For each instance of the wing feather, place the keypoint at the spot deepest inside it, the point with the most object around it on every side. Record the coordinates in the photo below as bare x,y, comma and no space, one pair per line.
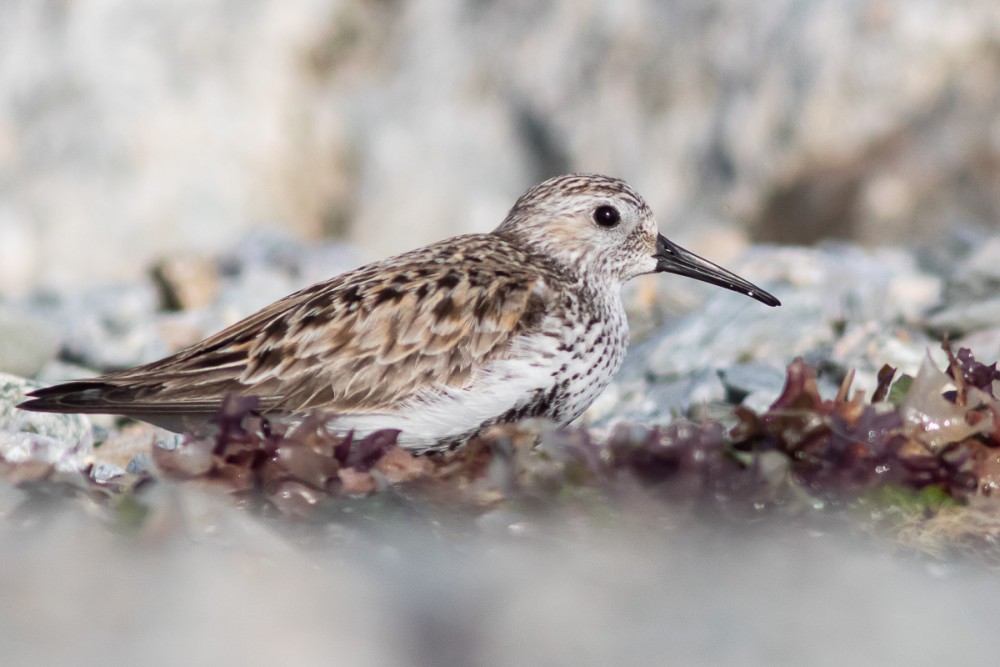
365,341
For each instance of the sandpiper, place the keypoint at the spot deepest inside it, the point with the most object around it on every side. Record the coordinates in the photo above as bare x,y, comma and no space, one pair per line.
439,342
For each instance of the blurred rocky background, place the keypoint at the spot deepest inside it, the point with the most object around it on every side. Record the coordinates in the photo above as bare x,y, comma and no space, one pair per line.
167,168
130,129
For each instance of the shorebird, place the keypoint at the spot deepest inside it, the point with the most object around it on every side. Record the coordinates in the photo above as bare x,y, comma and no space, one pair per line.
439,342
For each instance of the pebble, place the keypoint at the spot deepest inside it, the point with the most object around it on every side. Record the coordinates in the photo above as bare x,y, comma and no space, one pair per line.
62,439
753,384
103,472
966,316
139,464
970,301
186,282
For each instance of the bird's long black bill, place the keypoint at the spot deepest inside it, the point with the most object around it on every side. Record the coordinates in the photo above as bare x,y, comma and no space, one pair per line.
671,258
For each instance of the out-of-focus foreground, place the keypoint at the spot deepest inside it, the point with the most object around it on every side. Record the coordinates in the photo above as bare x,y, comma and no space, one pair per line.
211,585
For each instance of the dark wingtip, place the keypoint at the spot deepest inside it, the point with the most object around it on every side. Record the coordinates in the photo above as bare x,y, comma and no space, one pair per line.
67,397
34,405
40,405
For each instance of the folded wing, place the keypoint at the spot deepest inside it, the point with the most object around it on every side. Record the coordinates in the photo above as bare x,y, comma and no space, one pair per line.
362,342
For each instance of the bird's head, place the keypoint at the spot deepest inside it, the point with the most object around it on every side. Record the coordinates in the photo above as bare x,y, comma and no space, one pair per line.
599,227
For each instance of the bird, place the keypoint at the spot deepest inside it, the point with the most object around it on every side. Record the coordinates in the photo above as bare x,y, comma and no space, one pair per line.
439,343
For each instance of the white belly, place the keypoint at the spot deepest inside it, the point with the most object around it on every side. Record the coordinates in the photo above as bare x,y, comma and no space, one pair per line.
544,376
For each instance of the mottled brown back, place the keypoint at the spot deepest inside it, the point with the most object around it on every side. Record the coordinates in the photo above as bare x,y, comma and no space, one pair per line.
364,341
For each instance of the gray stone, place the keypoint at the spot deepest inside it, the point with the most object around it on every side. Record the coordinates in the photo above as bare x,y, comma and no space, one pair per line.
61,439
972,280
103,472
976,277
751,377
985,345
141,463
966,316
646,401
27,342
755,385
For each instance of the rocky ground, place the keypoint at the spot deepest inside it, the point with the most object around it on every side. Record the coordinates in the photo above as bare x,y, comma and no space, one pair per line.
722,503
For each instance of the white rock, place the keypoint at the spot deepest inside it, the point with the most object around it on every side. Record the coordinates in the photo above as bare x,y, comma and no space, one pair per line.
65,440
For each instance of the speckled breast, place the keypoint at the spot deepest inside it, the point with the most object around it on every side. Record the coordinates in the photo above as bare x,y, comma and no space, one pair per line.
592,345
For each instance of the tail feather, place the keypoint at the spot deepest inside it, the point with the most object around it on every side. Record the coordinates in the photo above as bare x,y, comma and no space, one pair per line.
96,396
81,396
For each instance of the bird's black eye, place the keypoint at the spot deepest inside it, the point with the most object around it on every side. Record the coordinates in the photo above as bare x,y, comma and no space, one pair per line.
607,216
